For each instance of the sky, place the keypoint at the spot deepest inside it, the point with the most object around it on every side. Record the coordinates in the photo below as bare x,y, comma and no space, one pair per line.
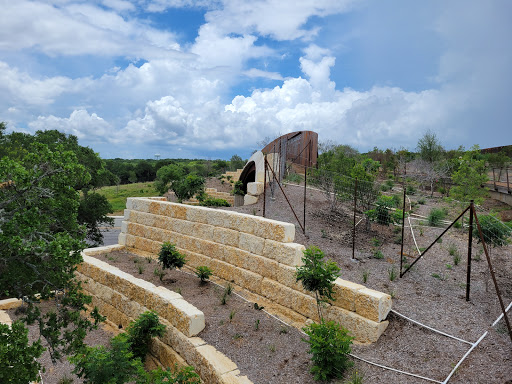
213,78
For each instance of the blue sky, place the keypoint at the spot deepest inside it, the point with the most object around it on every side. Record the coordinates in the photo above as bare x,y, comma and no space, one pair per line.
208,79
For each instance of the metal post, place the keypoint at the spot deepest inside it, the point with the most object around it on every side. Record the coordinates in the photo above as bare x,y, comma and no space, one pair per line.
354,225
493,277
264,184
494,180
403,225
470,243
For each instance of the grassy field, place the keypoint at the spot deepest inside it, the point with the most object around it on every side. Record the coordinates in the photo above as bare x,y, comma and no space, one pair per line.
117,195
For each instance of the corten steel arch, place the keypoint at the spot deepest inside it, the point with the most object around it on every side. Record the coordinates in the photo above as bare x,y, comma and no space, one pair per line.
292,148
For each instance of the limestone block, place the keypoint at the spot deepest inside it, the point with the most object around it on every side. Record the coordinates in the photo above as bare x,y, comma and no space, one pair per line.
373,305
5,318
218,218
277,292
285,275
226,236
255,189
132,308
124,226
220,362
196,260
121,239
223,270
207,248
166,355
203,231
304,304
127,213
285,253
249,200
362,329
247,279
177,340
345,293
251,243
102,250
274,230
242,223
197,214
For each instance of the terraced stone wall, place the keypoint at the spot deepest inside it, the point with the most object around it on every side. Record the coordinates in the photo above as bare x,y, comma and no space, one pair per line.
122,298
255,253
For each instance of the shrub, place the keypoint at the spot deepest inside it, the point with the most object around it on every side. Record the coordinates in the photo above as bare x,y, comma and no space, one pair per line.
185,375
317,275
435,217
378,255
140,332
204,273
495,232
410,190
213,202
294,178
169,257
16,353
329,343
238,188
113,365
421,201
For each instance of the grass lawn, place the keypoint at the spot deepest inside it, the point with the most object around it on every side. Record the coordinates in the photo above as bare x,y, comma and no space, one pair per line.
117,195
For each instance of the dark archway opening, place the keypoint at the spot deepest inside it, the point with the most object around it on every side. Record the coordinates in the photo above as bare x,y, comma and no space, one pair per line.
248,175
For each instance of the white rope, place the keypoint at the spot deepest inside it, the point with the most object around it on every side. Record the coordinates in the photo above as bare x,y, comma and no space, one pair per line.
432,329
501,316
464,357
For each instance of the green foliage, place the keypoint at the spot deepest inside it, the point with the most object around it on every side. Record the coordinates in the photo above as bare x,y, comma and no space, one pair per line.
41,240
392,274
213,202
469,178
140,332
92,212
429,147
17,357
114,365
169,257
495,232
378,254
184,375
117,195
317,275
355,378
204,273
421,201
236,162
410,190
382,213
294,178
435,217
238,188
329,345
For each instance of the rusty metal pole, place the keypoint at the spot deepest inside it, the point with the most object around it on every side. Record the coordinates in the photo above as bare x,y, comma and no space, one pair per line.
403,225
264,184
470,243
493,277
354,225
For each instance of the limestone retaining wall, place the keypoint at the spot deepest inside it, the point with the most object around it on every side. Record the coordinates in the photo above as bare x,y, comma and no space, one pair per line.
255,253
122,298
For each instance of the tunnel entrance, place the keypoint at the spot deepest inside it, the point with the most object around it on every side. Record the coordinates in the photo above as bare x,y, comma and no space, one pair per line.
248,175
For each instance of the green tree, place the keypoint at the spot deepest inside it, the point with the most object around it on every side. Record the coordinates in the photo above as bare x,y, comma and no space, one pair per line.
236,162
429,147
470,178
317,275
41,241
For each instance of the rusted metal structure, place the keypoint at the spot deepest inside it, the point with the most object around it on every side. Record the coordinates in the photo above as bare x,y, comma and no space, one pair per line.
299,147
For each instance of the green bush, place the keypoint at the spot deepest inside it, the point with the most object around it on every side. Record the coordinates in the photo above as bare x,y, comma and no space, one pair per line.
140,332
435,217
185,375
17,358
203,273
238,188
170,257
213,202
495,232
410,190
317,275
329,343
113,365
